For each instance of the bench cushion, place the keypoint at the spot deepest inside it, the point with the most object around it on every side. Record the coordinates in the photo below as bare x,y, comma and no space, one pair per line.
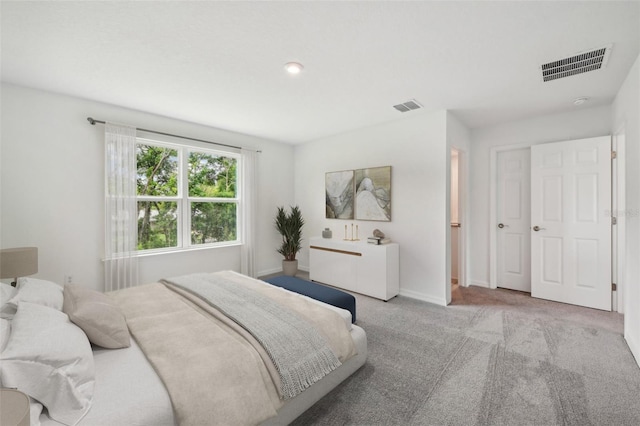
319,292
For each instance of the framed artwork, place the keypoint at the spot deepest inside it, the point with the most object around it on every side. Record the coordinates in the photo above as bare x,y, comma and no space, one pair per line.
339,194
373,194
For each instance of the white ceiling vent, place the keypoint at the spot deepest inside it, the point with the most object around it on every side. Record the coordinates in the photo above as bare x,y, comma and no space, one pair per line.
408,106
583,62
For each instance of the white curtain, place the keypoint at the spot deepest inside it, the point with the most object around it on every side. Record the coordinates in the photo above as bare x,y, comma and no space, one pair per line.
248,181
121,210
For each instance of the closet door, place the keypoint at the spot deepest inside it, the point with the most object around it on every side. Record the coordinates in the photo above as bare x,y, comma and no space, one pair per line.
513,234
571,232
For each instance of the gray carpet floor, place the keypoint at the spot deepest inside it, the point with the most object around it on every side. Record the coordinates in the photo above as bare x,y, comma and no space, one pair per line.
493,357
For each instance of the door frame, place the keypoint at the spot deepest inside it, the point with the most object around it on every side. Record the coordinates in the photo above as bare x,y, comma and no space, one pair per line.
618,210
493,208
618,207
463,217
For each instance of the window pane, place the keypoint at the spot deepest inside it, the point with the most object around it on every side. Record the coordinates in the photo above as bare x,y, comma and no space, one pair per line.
157,170
212,176
157,224
213,222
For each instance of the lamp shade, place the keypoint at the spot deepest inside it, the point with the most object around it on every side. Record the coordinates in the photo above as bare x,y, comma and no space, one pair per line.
18,262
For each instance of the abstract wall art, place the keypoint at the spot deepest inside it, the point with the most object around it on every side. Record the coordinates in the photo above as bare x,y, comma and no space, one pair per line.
339,194
373,194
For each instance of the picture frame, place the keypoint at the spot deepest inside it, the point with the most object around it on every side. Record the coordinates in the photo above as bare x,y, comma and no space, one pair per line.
339,188
373,194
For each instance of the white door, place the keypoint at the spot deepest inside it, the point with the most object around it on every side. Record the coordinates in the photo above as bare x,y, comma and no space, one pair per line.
571,231
513,234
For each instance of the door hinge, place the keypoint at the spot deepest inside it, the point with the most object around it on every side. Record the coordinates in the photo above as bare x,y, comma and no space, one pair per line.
614,155
614,220
614,287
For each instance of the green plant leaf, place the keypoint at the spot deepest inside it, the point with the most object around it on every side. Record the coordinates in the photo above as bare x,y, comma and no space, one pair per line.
289,225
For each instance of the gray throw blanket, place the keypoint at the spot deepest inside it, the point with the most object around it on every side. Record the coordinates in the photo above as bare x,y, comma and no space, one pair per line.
300,354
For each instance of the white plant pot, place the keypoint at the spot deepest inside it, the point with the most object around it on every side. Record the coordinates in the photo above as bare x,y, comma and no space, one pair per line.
290,267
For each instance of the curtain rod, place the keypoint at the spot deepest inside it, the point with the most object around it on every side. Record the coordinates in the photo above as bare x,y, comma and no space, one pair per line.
93,122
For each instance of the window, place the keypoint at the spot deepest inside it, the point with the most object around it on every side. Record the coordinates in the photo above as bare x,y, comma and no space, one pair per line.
187,196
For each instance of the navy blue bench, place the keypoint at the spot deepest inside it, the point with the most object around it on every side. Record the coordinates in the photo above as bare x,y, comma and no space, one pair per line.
319,292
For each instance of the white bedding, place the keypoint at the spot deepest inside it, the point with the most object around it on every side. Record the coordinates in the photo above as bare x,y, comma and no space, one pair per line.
128,391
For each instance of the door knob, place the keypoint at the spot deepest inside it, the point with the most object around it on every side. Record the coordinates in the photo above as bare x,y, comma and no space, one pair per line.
537,228
502,225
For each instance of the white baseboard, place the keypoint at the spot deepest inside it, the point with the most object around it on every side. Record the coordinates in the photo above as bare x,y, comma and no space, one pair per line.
278,270
424,297
480,284
634,346
268,272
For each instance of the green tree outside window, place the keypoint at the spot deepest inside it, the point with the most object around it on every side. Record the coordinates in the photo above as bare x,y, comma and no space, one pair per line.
210,205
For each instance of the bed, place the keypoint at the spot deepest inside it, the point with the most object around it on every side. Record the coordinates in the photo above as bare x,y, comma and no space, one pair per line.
144,385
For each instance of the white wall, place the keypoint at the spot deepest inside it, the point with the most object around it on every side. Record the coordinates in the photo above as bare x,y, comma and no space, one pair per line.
578,124
417,150
626,112
52,180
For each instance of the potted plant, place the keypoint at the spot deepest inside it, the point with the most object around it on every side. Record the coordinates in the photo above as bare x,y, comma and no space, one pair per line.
290,227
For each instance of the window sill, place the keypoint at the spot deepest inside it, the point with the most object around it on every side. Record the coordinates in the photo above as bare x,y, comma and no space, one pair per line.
160,252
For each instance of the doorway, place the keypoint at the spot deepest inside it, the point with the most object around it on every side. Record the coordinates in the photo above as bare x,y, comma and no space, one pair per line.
455,220
568,257
457,217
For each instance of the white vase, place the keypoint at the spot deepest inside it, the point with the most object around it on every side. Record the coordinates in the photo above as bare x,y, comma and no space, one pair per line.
290,267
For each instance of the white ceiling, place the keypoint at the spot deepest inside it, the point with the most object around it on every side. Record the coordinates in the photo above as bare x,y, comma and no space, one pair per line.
221,63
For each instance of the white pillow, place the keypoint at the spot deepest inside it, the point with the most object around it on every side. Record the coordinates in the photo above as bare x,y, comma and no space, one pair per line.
6,293
35,409
42,292
5,330
49,358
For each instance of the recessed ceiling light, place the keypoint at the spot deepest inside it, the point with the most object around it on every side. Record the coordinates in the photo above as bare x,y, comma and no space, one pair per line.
293,67
580,101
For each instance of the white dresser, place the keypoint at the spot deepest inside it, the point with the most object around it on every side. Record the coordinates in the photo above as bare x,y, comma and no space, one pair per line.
373,270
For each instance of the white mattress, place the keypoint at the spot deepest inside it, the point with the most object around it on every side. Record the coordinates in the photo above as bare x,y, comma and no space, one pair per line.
129,392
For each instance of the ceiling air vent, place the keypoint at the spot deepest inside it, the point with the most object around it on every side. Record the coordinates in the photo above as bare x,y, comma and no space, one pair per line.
408,106
578,64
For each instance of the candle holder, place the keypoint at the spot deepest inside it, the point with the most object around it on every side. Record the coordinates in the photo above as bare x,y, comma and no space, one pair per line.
346,237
